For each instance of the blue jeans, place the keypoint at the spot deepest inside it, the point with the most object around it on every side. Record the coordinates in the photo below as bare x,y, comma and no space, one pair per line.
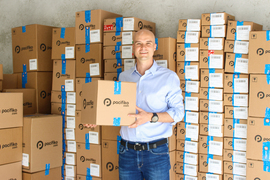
150,164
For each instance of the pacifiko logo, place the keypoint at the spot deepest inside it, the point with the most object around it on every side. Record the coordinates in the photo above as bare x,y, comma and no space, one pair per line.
41,144
18,49
43,94
83,159
111,167
233,30
43,47
81,26
261,95
260,51
58,43
90,103
11,145
108,102
231,63
13,111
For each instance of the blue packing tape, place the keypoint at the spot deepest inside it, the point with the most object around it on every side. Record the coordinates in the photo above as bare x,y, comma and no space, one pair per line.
266,122
87,48
63,56
268,79
266,151
119,62
88,177
64,97
87,141
119,43
117,55
63,122
47,169
117,87
23,29
116,121
87,16
266,166
209,156
119,23
210,31
24,68
236,56
64,160
63,89
63,171
156,41
63,109
208,94
117,33
267,35
235,76
88,172
64,66
24,76
119,70
208,60
187,94
87,146
116,48
88,78
63,33
267,112
267,69
87,35
118,143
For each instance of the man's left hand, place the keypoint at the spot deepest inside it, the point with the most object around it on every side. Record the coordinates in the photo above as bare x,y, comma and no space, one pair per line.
141,118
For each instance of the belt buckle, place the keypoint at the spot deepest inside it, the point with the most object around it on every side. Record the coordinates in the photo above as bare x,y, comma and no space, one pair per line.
137,145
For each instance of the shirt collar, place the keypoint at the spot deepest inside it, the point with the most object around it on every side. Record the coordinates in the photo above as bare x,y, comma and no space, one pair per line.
152,69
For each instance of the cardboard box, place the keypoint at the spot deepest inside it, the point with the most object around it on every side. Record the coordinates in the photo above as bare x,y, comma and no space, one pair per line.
216,18
91,22
236,83
111,76
235,156
212,118
258,139
211,130
79,84
42,83
10,81
110,132
114,65
29,99
240,30
54,173
236,112
238,47
70,171
70,158
258,53
70,109
235,128
212,78
212,59
234,168
128,24
236,63
110,160
1,71
189,86
32,45
214,31
259,95
236,144
188,70
63,74
187,146
257,170
211,106
187,131
117,103
210,164
117,38
63,43
89,62
203,176
81,177
70,97
11,106
189,25
165,54
191,101
211,145
188,37
236,99
187,52
173,165
85,134
89,159
172,139
211,94
11,145
42,142
187,158
187,169
11,171
212,44
116,52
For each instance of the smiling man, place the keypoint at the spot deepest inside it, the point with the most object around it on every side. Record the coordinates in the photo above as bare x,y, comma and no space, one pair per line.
144,152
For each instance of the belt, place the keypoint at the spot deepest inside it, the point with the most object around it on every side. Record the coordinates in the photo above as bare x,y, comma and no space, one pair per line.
144,146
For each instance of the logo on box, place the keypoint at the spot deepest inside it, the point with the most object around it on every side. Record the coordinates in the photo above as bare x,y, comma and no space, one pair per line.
40,144
10,110
10,145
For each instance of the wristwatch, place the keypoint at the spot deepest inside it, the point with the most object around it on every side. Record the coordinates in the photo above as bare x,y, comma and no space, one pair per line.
154,118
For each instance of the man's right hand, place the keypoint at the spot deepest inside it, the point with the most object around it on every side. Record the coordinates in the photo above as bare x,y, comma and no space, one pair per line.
90,125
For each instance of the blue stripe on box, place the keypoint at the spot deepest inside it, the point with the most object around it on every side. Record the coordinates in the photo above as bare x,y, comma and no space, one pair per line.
116,121
118,23
117,87
87,16
63,33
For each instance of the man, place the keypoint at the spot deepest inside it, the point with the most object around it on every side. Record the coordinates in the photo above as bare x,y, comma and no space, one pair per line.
144,150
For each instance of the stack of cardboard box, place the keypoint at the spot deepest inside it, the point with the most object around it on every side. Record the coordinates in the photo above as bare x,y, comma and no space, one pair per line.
188,36
11,135
32,63
258,120
118,39
236,91
211,95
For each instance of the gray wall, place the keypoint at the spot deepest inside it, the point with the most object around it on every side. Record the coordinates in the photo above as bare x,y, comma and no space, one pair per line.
165,13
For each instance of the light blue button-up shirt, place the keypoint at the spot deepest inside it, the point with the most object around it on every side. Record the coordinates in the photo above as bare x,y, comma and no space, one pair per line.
158,90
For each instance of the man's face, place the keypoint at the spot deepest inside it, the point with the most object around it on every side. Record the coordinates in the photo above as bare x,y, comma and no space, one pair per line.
144,46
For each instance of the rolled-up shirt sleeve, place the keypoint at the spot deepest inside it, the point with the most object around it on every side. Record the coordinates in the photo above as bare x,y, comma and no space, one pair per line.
174,100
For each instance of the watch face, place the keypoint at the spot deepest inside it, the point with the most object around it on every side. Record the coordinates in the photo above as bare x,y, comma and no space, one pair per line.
154,118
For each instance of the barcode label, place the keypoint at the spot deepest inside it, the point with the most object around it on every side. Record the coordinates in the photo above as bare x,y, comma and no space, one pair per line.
243,32
128,24
127,38
212,177
215,40
71,122
126,51
71,97
94,69
193,25
71,146
70,158
239,157
191,147
69,52
217,19
69,170
192,86
32,64
162,63
192,131
191,50
217,31
126,34
129,63
214,166
239,169
94,36
240,131
69,85
193,22
127,47
215,130
215,44
215,119
70,134
93,137
192,37
190,178
239,177
71,110
191,103
242,28
190,170
94,170
25,159
240,85
240,144
215,148
241,47
215,106
192,117
217,27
